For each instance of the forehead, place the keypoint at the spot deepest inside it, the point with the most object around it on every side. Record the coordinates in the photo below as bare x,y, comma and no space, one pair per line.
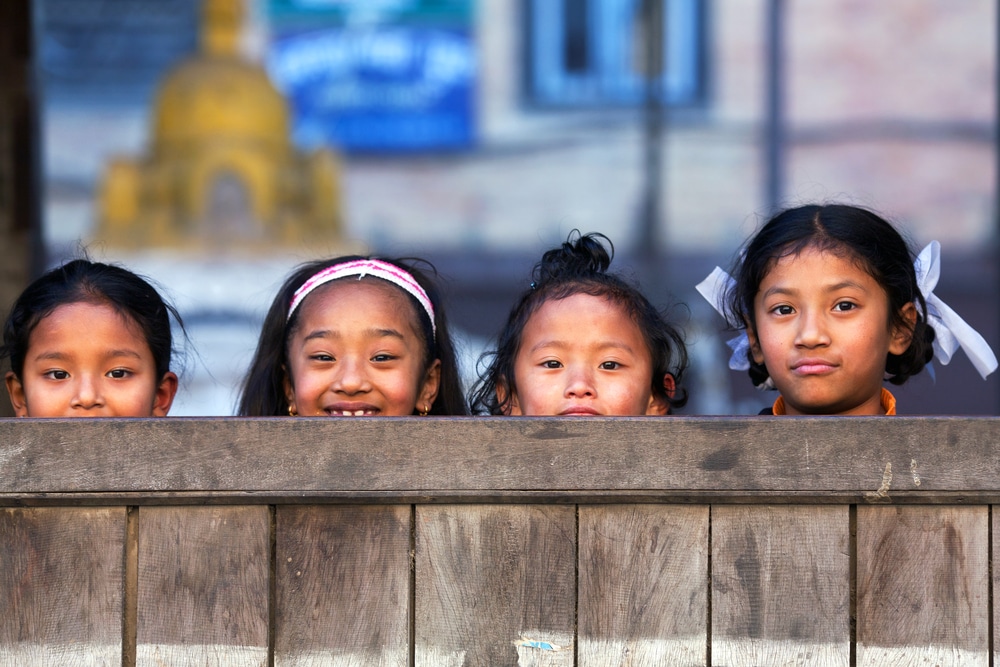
349,301
82,322
582,317
816,266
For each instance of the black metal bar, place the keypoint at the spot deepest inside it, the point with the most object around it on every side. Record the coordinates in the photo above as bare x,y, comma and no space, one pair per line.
774,108
652,204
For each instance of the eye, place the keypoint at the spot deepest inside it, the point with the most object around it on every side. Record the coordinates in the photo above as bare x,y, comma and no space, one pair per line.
783,309
56,375
845,306
610,366
551,363
382,358
322,357
119,373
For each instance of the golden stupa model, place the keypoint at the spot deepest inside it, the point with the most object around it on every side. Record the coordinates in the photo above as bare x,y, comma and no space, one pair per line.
221,170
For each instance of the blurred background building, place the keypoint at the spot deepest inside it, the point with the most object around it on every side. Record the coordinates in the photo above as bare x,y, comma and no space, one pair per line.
477,133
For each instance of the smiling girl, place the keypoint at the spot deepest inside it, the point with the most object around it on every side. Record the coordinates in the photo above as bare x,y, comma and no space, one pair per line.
832,305
354,337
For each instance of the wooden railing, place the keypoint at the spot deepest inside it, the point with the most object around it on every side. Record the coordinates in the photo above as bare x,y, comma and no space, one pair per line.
494,542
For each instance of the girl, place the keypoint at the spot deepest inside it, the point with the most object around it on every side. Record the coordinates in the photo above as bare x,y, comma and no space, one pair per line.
832,304
352,337
90,340
582,341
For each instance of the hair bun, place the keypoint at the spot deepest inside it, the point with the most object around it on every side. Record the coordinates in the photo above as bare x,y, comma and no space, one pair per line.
581,256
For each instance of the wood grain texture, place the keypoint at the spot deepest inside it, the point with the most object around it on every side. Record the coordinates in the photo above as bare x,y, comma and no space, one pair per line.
61,586
203,586
495,585
434,459
780,585
643,594
923,585
343,586
995,516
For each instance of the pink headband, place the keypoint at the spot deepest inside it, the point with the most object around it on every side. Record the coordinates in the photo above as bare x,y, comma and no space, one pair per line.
367,267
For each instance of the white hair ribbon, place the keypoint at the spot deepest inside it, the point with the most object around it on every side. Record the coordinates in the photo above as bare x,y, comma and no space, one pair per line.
715,288
950,330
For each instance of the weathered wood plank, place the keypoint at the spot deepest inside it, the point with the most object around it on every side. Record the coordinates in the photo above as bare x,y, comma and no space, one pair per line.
923,586
995,569
833,458
203,586
780,586
495,586
643,594
61,584
343,586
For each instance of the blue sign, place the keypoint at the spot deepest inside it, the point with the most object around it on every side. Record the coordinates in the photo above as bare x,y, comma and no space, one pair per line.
381,88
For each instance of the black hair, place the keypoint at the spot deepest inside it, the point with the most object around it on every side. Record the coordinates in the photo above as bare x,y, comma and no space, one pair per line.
579,266
84,281
263,390
857,233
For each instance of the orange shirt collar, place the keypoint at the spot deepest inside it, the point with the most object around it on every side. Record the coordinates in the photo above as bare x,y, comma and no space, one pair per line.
888,403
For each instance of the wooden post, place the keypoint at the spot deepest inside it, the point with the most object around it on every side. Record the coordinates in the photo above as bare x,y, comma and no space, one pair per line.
20,247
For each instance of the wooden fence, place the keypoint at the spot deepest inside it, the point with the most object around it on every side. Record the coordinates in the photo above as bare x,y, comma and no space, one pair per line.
495,542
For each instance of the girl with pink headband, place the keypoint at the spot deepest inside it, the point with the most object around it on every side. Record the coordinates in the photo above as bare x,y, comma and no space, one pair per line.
354,337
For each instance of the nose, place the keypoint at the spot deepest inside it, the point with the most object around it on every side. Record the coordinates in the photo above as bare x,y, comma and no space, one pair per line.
812,331
351,377
87,394
581,384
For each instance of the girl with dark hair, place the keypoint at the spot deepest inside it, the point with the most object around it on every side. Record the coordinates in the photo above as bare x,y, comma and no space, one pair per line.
90,340
833,303
581,341
354,337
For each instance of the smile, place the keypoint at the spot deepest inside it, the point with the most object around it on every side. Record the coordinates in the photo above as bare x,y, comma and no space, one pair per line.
351,413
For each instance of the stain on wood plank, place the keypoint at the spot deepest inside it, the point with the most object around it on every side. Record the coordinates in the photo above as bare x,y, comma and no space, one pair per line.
61,585
922,584
489,577
643,598
343,586
780,585
203,585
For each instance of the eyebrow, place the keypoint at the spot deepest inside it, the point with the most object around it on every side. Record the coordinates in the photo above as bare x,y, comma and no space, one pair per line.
603,345
374,332
791,291
110,354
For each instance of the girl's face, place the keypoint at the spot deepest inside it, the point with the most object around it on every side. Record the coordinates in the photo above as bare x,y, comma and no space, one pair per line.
86,360
583,355
356,351
823,333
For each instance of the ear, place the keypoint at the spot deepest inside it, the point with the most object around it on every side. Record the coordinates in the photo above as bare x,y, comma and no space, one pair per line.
165,392
659,405
902,335
289,391
16,390
429,388
755,351
513,409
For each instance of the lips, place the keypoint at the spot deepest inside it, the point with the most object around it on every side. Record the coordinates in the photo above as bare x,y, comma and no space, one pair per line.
350,410
579,411
813,366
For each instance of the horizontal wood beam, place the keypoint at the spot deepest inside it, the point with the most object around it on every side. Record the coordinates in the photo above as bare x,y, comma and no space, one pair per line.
428,460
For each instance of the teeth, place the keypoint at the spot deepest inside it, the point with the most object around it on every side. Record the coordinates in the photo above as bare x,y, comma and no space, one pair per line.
359,413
